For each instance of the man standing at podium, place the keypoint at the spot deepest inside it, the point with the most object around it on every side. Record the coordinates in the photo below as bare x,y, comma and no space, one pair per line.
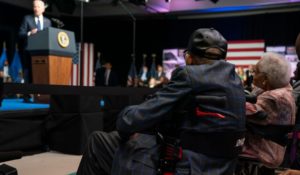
31,24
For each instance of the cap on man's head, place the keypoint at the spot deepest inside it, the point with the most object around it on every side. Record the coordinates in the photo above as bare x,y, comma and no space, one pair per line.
207,43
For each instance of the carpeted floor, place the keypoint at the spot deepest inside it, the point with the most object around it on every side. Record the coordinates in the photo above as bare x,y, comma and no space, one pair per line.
48,163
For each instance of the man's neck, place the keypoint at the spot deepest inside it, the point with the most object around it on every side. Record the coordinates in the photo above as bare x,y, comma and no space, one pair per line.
38,16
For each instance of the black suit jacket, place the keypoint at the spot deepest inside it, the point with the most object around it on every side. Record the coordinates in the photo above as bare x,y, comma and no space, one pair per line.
100,78
28,24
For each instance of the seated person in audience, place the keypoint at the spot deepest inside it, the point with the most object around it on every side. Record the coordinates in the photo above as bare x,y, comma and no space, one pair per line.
296,85
160,77
265,139
144,77
210,132
296,93
292,158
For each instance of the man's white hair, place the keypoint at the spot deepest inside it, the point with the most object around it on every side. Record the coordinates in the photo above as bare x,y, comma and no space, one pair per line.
277,69
40,1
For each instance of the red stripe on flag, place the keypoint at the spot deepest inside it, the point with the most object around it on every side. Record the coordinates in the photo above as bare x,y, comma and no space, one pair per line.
77,75
88,65
245,41
83,72
246,49
72,76
243,58
245,52
91,72
84,78
82,64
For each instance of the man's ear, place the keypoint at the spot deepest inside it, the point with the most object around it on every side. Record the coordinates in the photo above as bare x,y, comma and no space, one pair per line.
188,59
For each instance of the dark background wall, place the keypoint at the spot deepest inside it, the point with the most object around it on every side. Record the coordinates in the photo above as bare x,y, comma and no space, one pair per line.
113,35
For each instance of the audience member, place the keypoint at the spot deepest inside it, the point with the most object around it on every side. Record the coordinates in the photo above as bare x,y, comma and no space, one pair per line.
296,93
31,24
241,73
249,79
160,76
144,77
270,117
209,133
292,158
296,85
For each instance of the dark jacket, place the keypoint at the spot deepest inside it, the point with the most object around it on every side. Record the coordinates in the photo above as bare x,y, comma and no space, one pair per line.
28,24
100,78
140,155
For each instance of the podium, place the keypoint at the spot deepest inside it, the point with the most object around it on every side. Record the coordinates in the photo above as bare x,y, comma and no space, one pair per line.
51,56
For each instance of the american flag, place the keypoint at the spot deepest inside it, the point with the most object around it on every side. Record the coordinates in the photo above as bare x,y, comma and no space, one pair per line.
243,53
75,79
83,65
132,74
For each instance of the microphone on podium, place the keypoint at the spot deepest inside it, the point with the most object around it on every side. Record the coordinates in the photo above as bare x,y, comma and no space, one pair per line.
58,22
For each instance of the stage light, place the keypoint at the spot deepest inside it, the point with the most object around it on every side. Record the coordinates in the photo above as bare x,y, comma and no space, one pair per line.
168,1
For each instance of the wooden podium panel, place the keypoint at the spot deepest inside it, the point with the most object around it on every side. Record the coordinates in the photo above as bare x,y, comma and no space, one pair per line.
51,69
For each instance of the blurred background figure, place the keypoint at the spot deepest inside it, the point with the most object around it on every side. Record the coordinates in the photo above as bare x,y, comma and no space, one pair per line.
160,76
249,79
106,76
144,77
240,71
152,73
98,62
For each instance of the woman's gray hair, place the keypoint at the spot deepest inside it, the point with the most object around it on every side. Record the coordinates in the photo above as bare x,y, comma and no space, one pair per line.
277,69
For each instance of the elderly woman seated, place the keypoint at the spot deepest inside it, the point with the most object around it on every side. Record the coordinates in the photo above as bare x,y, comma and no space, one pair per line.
273,112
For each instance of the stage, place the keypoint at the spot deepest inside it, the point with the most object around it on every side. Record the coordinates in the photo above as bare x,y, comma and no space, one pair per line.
51,132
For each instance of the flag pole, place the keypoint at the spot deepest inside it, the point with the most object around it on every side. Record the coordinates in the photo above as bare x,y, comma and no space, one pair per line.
81,18
81,29
133,26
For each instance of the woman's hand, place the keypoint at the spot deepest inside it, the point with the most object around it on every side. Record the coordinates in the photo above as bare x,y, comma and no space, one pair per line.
290,172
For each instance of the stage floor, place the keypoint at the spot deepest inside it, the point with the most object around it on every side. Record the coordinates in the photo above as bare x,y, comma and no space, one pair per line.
48,163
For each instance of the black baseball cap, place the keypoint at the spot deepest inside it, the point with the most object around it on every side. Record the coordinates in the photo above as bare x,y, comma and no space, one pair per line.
204,40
